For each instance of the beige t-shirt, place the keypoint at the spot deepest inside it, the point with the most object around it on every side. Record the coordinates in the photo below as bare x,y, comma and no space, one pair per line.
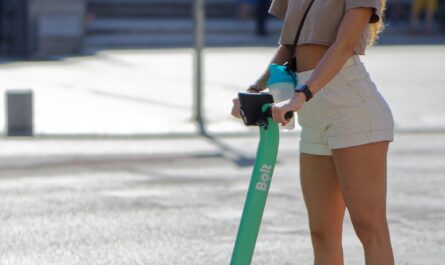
322,21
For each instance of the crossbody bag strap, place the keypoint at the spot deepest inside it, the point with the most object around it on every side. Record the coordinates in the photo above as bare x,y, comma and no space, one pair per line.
297,36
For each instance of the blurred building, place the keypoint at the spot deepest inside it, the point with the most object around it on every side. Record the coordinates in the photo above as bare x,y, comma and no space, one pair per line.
159,23
35,28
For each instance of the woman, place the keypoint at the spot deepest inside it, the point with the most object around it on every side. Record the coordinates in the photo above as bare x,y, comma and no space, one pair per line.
346,125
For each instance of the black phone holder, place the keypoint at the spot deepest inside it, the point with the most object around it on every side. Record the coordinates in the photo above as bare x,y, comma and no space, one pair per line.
252,108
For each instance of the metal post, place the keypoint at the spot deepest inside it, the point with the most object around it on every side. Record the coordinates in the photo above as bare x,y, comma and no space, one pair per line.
19,113
199,16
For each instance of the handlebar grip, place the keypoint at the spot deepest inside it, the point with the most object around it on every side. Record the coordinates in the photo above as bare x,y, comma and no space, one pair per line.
289,115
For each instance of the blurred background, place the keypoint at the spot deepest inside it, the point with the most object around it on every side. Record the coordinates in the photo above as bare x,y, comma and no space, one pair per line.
118,146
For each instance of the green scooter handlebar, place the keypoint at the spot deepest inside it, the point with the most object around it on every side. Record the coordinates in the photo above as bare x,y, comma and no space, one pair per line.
261,176
255,108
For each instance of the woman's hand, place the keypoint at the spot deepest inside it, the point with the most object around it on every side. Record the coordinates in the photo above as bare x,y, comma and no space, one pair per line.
236,108
281,108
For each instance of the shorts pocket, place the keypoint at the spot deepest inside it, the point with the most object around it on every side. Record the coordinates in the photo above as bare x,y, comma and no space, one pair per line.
344,92
359,80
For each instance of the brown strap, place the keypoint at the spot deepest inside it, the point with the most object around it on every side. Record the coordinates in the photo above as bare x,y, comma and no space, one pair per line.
297,36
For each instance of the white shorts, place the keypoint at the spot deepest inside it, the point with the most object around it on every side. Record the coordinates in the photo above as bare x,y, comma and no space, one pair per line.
348,111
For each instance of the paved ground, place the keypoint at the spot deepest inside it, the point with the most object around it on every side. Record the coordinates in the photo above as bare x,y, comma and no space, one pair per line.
179,200
150,91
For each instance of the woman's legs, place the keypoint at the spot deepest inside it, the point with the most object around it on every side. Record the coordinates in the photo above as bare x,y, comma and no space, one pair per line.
361,171
430,10
325,207
416,7
429,21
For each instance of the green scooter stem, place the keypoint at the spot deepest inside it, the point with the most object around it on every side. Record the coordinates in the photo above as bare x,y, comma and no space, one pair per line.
257,194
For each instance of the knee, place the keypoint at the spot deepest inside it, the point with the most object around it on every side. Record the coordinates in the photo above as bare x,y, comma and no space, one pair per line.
322,239
369,231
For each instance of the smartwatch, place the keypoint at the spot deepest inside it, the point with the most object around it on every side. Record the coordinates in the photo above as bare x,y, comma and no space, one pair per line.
305,90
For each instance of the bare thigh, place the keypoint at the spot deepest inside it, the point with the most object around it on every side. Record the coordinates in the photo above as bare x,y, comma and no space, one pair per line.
361,172
322,197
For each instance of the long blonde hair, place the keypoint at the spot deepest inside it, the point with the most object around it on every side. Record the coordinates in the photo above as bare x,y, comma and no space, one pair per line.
378,27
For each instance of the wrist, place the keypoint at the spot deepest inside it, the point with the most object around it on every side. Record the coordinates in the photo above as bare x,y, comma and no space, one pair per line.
304,90
298,96
297,101
260,83
253,89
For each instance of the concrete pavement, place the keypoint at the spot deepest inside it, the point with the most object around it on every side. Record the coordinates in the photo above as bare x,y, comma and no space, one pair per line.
149,92
178,201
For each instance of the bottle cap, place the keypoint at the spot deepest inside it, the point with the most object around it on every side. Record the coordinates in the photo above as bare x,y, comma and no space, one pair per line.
280,74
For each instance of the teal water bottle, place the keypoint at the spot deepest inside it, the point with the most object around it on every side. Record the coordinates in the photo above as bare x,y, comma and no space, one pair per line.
281,85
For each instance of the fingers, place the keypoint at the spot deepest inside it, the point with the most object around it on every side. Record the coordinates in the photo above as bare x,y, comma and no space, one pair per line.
285,123
236,112
236,108
278,114
281,118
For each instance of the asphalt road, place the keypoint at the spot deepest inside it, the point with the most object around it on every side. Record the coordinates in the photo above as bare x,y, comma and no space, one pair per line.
179,201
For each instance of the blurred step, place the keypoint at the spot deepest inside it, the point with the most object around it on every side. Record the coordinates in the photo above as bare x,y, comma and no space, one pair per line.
119,25
130,33
160,8
178,40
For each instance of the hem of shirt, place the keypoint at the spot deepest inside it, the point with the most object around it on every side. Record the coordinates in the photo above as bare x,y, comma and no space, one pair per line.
307,42
317,42
276,14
